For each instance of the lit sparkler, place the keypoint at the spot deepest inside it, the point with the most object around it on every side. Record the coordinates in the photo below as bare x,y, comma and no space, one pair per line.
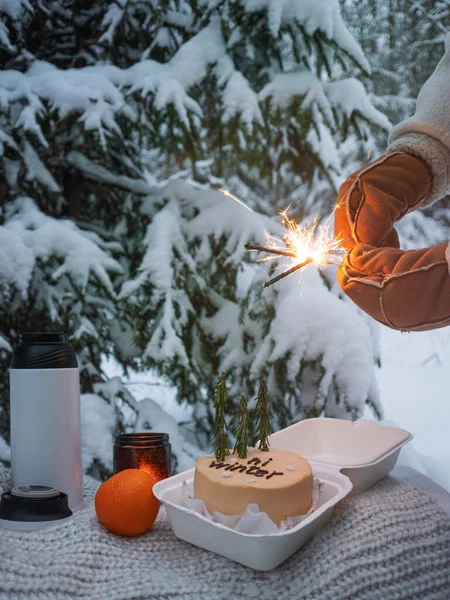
311,243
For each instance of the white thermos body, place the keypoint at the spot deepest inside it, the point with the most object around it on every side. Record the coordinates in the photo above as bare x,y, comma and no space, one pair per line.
45,415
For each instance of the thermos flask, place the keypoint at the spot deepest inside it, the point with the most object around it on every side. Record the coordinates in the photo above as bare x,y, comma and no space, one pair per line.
45,415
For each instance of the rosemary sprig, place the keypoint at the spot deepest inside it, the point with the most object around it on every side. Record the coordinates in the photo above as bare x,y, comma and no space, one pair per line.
220,406
263,426
242,429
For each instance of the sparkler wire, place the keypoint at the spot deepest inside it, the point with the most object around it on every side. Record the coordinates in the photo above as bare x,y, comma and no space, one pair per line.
270,250
288,272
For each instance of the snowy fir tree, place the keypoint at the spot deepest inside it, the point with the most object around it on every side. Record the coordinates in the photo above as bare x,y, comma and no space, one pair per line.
118,122
404,41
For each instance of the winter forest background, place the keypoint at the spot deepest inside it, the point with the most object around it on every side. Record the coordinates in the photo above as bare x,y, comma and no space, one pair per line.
119,121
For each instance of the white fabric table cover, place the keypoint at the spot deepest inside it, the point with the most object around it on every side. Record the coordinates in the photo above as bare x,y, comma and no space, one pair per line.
390,543
426,485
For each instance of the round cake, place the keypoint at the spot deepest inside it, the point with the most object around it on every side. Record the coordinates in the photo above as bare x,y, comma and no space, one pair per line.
280,482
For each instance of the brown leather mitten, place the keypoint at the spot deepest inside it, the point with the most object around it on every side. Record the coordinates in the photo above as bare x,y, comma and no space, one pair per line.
408,290
404,290
378,195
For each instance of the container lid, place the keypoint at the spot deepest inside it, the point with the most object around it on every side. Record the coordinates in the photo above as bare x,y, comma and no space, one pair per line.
43,338
32,503
43,350
340,443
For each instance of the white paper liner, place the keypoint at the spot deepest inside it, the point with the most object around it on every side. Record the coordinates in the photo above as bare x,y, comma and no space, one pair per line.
252,521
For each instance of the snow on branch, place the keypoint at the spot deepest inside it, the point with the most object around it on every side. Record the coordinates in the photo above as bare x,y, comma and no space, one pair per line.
98,95
347,96
112,19
190,62
350,96
37,170
178,247
163,240
232,352
166,253
98,428
314,16
322,144
238,97
285,86
220,216
170,81
99,173
313,327
5,454
45,88
16,261
4,344
4,41
14,9
29,235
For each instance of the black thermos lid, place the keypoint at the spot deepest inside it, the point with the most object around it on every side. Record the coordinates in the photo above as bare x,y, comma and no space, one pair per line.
43,351
33,503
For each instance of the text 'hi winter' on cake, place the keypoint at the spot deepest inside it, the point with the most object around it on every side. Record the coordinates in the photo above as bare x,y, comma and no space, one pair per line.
280,482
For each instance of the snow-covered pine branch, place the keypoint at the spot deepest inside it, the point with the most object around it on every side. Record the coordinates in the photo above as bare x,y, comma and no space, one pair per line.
117,122
30,237
314,348
106,100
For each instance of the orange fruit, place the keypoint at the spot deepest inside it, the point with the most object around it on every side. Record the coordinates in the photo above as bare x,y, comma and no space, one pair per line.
125,503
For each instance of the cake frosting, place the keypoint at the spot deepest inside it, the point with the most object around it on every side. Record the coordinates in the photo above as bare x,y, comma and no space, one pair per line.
280,482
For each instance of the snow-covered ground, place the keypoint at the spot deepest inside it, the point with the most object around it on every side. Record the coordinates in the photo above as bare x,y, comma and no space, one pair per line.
415,392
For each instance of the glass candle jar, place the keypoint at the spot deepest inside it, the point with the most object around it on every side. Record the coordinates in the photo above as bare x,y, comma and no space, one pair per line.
147,451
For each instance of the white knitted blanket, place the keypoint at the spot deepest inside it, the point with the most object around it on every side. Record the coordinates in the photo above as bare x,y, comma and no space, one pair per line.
390,543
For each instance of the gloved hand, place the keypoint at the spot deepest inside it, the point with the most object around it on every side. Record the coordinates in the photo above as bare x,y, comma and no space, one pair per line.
378,195
408,290
404,290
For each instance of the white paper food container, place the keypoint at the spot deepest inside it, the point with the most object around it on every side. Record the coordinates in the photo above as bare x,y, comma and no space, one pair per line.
340,453
261,552
363,450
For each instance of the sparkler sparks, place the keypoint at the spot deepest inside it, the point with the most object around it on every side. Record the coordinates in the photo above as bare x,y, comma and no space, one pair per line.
304,243
313,240
233,197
